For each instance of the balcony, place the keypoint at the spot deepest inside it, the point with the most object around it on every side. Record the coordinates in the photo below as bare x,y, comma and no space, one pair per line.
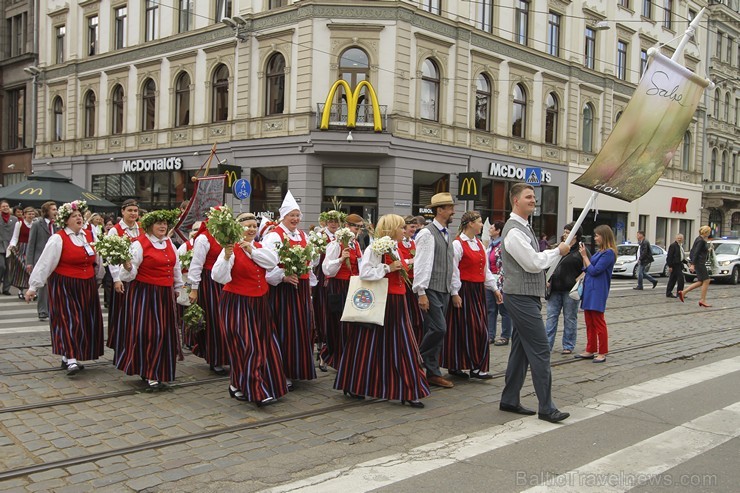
721,188
338,116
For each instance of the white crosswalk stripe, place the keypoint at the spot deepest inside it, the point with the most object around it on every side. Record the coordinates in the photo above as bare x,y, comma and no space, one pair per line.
19,317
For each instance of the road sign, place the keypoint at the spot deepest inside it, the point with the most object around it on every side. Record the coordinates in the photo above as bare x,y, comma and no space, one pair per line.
242,189
533,176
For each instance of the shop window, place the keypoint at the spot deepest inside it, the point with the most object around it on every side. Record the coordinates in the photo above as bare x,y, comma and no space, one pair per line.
715,222
661,232
275,88
615,220
642,223
483,103
182,100
220,84
429,91
357,188
158,190
494,203
117,113
735,224
425,185
545,217
684,227
551,119
269,186
90,114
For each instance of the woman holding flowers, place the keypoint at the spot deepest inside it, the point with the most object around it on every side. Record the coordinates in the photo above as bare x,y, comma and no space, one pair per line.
384,362
256,363
333,219
18,244
407,250
152,344
70,265
466,342
342,261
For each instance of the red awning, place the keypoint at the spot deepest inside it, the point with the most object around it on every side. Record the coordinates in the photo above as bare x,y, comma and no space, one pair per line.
678,204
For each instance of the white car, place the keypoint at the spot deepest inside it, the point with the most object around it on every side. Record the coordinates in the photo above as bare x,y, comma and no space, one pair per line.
727,265
626,264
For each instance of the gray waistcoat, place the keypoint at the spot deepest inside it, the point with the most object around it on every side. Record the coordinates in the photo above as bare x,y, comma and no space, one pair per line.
519,281
442,267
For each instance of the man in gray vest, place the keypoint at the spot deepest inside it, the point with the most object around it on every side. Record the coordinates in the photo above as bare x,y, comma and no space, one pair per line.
432,279
7,226
523,266
41,231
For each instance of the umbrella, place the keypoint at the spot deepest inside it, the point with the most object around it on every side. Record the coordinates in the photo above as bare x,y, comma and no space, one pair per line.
50,185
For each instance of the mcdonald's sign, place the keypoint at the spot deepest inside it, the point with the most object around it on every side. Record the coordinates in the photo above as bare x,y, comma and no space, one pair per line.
32,191
232,173
470,186
352,102
90,196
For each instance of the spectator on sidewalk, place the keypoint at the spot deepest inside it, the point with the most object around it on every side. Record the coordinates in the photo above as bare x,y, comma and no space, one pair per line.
644,260
675,260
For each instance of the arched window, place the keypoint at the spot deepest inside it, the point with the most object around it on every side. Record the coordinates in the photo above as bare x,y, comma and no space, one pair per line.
354,67
717,96
429,91
727,107
182,100
275,89
735,222
619,115
90,114
551,119
519,112
148,105
482,103
220,83
713,175
725,166
686,154
117,110
715,222
588,127
58,119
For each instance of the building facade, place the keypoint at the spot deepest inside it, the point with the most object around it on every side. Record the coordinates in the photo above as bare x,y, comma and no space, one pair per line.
490,87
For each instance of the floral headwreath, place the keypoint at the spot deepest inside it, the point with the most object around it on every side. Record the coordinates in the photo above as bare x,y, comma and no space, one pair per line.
170,216
67,209
333,215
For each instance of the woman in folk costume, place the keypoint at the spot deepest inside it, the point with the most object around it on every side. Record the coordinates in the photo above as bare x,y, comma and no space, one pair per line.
71,266
332,220
466,342
187,336
407,250
18,244
384,362
127,226
209,344
340,264
290,297
256,363
152,344
265,227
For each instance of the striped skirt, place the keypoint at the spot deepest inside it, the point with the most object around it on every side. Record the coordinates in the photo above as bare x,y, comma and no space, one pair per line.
336,330
151,346
320,310
292,309
383,362
417,318
117,332
466,342
254,352
210,343
17,267
75,318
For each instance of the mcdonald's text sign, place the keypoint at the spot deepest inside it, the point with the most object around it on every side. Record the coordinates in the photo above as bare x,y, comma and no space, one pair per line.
469,186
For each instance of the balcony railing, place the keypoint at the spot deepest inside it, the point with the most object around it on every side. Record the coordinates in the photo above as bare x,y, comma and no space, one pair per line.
365,117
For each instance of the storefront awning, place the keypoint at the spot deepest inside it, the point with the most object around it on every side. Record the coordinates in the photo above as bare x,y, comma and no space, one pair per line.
50,185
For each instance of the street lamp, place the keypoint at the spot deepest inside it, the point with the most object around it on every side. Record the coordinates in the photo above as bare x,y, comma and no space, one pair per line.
34,72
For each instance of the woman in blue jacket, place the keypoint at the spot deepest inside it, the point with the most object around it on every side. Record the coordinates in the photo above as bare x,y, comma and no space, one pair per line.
595,292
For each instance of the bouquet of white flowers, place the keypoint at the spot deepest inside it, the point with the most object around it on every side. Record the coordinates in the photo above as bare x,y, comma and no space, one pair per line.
295,259
386,245
223,227
113,249
345,237
185,260
318,241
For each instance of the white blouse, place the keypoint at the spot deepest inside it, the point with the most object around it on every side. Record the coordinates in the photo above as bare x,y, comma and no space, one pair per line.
272,242
263,257
332,261
17,232
137,256
132,232
372,267
490,281
201,247
50,259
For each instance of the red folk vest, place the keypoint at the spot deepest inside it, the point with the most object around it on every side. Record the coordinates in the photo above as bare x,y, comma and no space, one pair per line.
472,264
122,232
303,242
213,252
74,261
157,265
23,233
396,284
247,278
405,254
344,272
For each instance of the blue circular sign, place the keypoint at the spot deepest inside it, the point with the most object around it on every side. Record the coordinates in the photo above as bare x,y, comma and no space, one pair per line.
363,299
242,189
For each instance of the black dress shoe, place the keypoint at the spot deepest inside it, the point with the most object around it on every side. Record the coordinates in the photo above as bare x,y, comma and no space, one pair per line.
73,369
553,417
458,373
415,404
518,409
220,372
671,296
481,375
237,394
655,283
266,401
637,288
353,395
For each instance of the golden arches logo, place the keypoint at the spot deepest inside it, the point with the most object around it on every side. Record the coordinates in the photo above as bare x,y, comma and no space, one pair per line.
90,196
470,185
230,177
352,100
32,191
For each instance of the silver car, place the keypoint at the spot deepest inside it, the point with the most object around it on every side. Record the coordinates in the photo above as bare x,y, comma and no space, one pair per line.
725,264
626,264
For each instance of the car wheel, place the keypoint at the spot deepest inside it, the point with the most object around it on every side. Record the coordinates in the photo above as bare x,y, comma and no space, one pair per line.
665,271
734,276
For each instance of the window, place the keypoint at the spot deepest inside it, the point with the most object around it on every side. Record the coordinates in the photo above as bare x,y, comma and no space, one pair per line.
433,6
354,67
590,49
356,187
220,83
692,15
16,35
151,28
588,127
725,169
718,54
185,16
553,34
160,190
727,107
717,97
686,154
619,115
149,105
59,48
730,42
223,9
17,119
713,171
275,89
58,107
485,15
425,184
661,235
668,14
621,59
117,110
519,112
643,62
429,91
90,114
624,3
482,103
92,35
182,100
521,29
120,14
647,8
269,186
716,218
551,119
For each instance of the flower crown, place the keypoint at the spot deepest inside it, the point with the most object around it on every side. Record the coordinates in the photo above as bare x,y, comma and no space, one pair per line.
169,216
67,209
333,215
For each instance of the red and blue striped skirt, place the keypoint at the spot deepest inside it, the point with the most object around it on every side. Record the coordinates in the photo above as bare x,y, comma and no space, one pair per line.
466,342
210,343
254,352
383,362
320,310
292,309
152,344
17,268
75,317
117,333
417,318
336,330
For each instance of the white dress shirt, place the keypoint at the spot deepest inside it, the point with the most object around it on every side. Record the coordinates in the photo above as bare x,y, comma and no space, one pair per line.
50,259
373,268
201,247
519,246
17,232
272,242
132,232
221,273
424,259
490,281
137,256
332,259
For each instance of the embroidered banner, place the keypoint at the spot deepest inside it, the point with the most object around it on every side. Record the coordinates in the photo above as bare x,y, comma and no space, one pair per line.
208,192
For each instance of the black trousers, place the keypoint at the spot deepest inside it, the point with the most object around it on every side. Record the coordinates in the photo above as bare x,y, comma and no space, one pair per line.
676,278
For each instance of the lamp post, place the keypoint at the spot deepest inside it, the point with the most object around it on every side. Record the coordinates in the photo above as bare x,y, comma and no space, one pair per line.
34,72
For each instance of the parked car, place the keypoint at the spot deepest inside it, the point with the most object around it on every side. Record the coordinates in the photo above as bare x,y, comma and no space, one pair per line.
727,262
626,264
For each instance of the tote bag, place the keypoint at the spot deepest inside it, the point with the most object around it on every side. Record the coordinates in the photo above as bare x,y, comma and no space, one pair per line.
365,302
576,292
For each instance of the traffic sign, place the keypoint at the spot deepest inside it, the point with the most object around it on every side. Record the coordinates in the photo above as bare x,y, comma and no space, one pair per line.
242,189
533,176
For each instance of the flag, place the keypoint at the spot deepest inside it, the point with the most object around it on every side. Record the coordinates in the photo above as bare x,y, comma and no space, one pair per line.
647,135
208,192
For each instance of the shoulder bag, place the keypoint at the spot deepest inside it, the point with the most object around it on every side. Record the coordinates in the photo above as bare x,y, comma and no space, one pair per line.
365,303
576,292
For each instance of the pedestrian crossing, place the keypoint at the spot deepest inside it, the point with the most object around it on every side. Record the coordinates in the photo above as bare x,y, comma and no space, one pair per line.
19,317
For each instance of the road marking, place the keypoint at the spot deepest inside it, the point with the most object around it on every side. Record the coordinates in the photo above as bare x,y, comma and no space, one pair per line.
391,469
24,330
642,463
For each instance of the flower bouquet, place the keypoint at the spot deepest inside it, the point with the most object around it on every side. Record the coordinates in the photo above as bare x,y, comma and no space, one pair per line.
223,227
318,241
386,245
194,318
185,260
295,260
113,249
345,237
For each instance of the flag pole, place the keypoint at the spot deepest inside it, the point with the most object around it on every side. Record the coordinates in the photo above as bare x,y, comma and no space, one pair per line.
576,225
690,31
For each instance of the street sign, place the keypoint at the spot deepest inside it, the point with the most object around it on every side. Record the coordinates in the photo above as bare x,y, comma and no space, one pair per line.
533,176
242,189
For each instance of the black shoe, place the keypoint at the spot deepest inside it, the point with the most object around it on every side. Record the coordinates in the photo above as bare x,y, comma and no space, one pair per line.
220,372
353,395
43,318
554,417
415,404
7,293
518,409
481,375
322,366
266,402
655,283
671,295
237,394
73,369
458,373
637,288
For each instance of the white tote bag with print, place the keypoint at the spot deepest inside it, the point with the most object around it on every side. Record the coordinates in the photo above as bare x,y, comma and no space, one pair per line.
366,301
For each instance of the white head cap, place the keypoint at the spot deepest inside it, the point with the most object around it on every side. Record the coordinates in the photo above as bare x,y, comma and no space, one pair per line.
289,205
